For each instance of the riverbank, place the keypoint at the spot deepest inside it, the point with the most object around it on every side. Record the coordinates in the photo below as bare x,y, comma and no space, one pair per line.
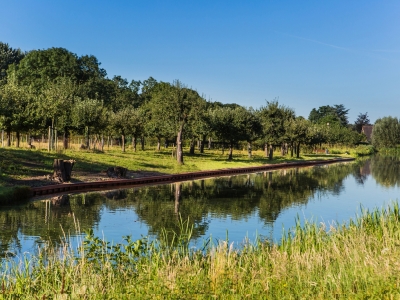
317,261
33,168
163,179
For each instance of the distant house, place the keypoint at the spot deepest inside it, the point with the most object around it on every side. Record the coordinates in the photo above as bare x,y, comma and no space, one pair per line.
367,130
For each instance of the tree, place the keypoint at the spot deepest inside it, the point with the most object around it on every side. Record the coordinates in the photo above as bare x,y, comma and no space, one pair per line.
252,128
39,67
361,120
177,105
89,115
296,133
273,118
124,94
229,125
16,110
386,132
8,56
56,102
329,114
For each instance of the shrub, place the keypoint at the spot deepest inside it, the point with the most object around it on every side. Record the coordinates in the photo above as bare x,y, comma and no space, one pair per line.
14,195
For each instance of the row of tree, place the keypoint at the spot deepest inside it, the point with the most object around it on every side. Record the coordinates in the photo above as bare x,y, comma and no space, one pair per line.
58,89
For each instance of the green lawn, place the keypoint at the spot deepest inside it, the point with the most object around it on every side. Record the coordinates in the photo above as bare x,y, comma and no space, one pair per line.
22,163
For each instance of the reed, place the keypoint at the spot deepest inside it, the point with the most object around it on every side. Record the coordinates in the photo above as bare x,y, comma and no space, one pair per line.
359,259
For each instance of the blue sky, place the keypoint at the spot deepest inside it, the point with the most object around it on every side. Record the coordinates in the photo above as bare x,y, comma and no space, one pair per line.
305,53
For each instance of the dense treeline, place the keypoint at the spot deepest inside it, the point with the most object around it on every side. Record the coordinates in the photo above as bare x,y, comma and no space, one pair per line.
57,89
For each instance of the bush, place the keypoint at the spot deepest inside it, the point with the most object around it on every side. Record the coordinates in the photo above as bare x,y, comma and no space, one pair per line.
14,195
364,150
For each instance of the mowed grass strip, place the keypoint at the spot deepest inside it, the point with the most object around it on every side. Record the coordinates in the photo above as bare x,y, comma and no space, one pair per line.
23,163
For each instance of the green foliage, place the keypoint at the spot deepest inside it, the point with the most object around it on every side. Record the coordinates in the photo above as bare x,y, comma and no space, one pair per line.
364,150
386,132
14,195
55,87
123,256
8,56
329,114
229,124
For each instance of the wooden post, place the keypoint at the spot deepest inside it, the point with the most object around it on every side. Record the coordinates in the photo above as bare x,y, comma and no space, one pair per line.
55,139
49,140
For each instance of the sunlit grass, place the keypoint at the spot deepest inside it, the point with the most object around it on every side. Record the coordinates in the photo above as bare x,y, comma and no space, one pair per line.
21,163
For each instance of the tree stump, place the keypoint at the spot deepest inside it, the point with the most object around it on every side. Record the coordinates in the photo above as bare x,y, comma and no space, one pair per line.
62,200
62,170
116,172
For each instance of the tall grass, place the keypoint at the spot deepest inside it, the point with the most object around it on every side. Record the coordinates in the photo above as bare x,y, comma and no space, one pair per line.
359,260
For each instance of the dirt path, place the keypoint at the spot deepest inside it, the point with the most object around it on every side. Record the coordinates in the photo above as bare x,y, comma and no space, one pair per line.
77,176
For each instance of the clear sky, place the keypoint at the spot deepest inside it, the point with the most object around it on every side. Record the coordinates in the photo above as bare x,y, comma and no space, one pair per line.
305,53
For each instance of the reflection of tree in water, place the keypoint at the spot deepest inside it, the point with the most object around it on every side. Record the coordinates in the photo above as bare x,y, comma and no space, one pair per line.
386,170
236,197
48,220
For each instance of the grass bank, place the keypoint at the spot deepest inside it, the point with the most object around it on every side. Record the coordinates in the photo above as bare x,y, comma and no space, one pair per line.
359,260
23,163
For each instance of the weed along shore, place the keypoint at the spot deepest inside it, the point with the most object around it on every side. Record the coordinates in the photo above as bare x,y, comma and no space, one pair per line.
164,179
315,261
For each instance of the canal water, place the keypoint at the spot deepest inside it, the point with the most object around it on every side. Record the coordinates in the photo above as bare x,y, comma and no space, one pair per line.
237,208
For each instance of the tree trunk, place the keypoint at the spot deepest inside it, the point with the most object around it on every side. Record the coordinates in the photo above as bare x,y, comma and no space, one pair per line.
123,142
142,142
202,143
179,150
191,150
230,151
298,150
102,142
291,150
65,138
271,152
87,137
134,143
249,150
266,149
18,139
158,143
209,143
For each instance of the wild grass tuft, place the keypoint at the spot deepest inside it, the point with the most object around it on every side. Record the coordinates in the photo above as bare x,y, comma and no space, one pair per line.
357,260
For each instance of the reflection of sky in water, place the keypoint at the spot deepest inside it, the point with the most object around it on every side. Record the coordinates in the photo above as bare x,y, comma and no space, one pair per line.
114,224
327,206
332,209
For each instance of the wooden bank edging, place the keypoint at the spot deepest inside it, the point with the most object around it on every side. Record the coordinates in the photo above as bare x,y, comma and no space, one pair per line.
163,179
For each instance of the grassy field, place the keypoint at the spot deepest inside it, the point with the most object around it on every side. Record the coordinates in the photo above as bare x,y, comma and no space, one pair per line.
21,167
357,261
17,163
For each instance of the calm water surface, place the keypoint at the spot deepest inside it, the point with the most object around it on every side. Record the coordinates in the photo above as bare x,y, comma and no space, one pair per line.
239,207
